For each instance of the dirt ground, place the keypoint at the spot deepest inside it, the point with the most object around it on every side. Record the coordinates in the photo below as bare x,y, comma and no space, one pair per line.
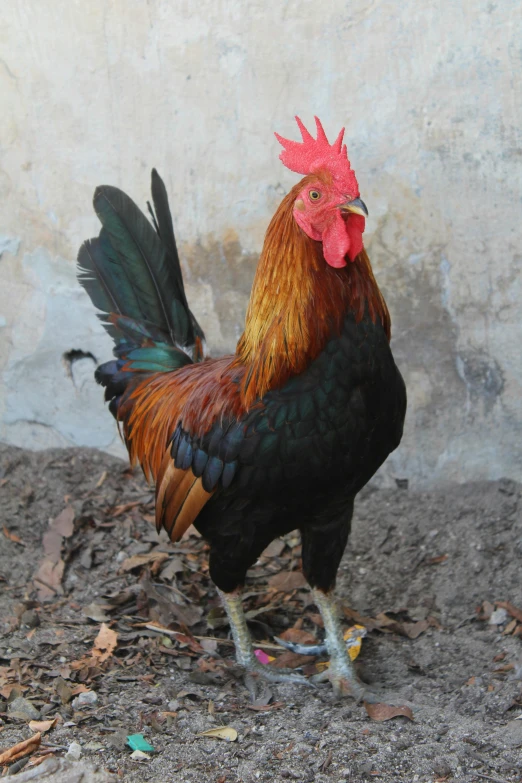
94,601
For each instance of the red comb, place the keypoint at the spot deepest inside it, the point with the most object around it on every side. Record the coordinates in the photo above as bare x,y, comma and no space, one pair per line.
313,154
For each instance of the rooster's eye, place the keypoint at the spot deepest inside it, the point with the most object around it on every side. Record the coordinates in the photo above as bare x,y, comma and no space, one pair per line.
314,195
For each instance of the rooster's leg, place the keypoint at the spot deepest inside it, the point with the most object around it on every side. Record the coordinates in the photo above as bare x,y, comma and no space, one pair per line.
244,649
341,672
324,542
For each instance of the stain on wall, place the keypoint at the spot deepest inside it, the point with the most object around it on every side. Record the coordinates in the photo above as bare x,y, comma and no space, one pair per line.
100,93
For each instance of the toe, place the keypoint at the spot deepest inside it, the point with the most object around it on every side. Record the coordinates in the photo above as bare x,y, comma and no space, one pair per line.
272,674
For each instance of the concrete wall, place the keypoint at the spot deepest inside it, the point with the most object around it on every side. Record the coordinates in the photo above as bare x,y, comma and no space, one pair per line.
99,92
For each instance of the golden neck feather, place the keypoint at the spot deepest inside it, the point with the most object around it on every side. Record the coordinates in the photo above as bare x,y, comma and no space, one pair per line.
297,302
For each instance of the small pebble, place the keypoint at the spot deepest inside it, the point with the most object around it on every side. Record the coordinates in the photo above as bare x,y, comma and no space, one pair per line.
139,755
74,751
498,617
22,709
30,618
152,700
84,699
441,768
94,745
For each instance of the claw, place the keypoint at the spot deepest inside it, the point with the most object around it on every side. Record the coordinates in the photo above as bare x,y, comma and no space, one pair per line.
344,685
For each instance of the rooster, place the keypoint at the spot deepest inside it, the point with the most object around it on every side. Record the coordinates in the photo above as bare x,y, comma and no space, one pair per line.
283,434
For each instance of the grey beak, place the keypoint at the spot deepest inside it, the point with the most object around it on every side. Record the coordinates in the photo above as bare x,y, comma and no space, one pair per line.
357,206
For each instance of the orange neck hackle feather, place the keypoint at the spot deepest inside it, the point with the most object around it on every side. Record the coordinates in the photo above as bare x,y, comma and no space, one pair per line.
297,303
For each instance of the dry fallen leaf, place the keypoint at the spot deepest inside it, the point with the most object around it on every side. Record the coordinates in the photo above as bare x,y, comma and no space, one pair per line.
97,612
7,690
507,667
140,560
413,630
381,712
209,645
287,580
163,610
291,660
12,536
47,757
226,733
298,636
485,611
79,689
52,545
276,705
43,725
370,623
173,567
435,560
48,580
117,511
510,627
64,522
105,643
274,549
410,629
21,749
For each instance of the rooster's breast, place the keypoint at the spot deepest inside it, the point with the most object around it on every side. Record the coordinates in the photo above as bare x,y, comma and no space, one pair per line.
327,431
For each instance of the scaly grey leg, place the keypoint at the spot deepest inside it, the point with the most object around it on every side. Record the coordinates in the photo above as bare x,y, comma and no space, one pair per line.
244,650
341,672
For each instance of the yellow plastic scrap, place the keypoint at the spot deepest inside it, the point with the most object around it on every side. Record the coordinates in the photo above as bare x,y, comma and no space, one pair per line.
353,637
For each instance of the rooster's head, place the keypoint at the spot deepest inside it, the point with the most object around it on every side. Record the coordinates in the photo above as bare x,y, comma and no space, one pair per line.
328,207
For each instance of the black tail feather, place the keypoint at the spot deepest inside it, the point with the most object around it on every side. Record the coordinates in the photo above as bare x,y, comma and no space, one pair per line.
133,271
162,220
133,276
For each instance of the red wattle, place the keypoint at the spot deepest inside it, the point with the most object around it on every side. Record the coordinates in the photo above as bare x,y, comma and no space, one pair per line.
354,229
336,242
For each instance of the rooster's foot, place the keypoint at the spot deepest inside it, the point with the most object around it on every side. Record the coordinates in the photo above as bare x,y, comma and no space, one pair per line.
345,682
274,674
245,655
341,671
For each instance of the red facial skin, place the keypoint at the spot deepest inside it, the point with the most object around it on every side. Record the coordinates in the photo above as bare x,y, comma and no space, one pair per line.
322,219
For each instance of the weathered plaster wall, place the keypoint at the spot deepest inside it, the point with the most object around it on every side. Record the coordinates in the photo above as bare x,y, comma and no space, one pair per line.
102,91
